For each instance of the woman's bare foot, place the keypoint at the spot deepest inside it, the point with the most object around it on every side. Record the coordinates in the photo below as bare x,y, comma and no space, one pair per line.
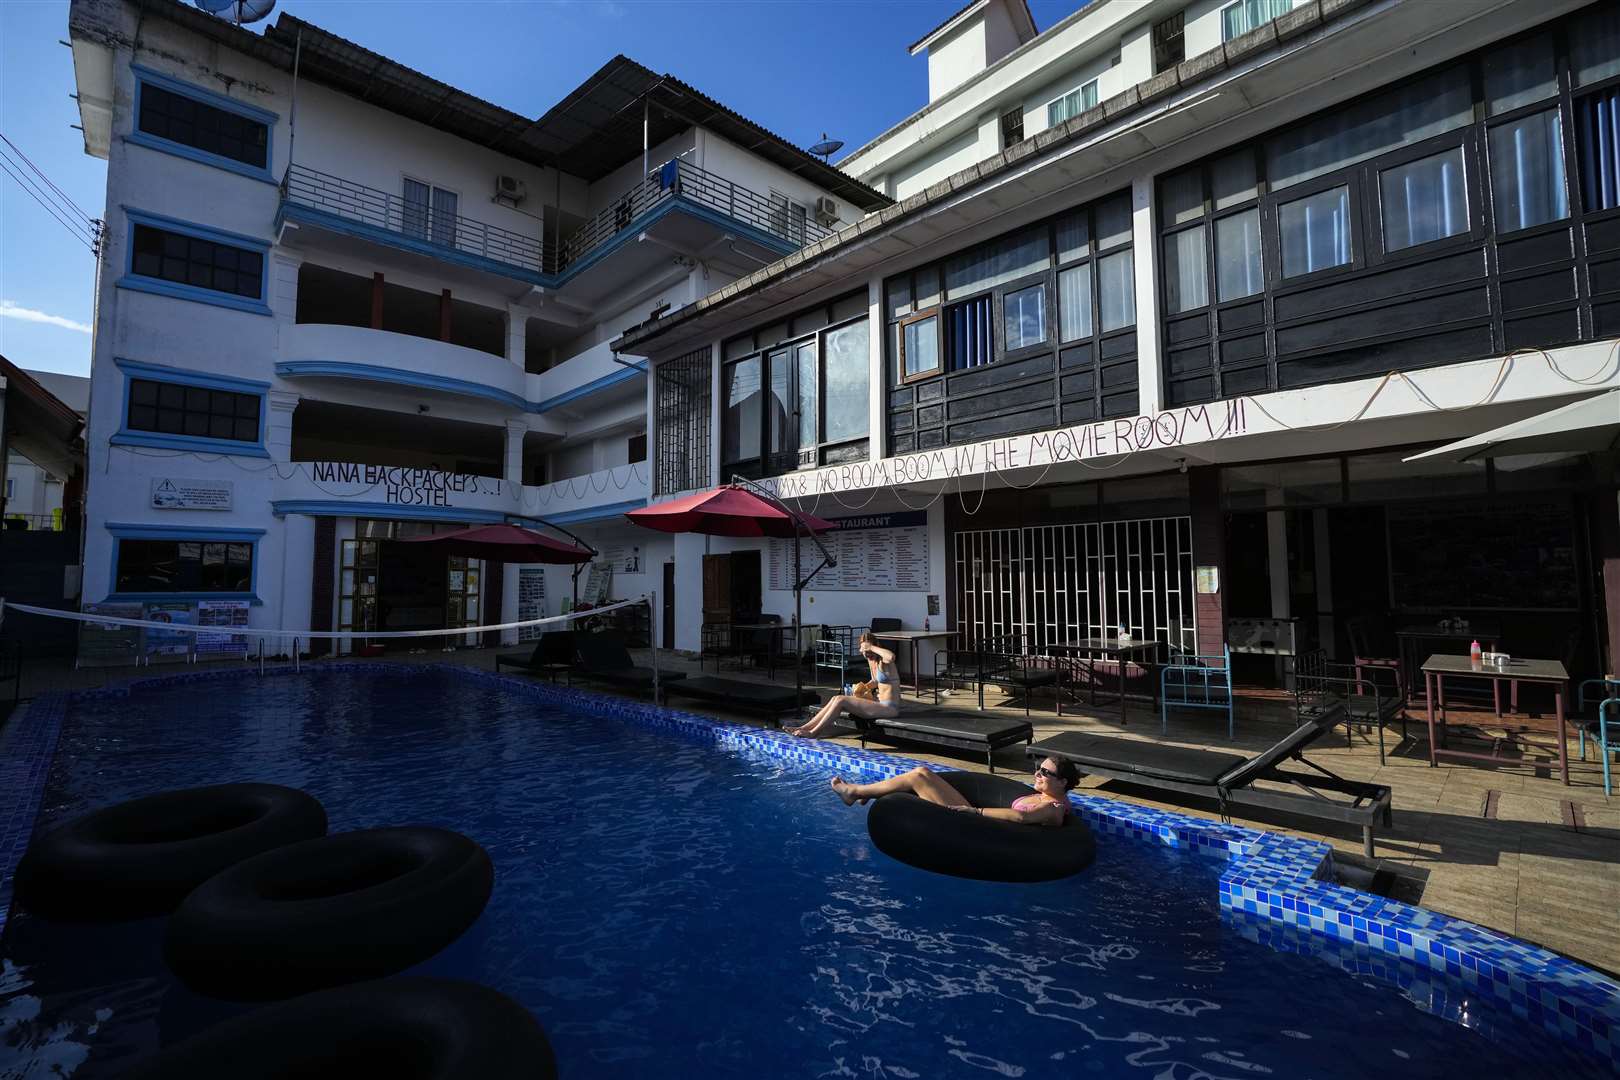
845,790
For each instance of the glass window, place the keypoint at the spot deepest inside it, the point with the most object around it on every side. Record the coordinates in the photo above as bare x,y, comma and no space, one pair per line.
1007,259
172,409
1594,45
1239,18
1315,232
1520,74
1024,317
188,260
1073,237
970,340
1074,302
1116,282
184,566
1408,114
1186,271
808,413
920,345
1182,196
1113,222
739,436
1073,103
779,430
928,293
846,366
898,293
1237,255
181,119
1233,179
1424,200
1527,172
1597,148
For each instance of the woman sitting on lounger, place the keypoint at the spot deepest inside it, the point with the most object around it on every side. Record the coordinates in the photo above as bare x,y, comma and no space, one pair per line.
871,700
1054,778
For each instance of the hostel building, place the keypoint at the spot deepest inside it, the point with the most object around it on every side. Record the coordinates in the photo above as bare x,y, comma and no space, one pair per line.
1170,328
342,303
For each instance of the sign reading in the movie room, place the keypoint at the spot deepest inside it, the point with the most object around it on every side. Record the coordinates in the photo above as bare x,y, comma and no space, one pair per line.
406,487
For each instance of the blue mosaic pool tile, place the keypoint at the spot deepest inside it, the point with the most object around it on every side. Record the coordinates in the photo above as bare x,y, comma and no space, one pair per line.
1275,889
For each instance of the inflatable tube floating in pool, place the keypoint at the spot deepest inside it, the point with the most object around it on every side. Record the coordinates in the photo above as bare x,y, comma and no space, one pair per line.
140,858
933,837
403,1029
352,906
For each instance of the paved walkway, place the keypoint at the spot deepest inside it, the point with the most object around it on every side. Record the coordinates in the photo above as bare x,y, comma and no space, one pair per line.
1506,847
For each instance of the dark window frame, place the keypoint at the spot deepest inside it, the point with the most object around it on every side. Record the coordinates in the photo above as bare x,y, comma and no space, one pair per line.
185,409
1163,35
936,313
150,556
141,265
157,107
1012,133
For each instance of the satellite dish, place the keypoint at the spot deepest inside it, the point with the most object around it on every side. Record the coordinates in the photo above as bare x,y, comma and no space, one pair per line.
238,11
824,149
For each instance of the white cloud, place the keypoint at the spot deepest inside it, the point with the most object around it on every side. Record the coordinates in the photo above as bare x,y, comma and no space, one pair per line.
10,310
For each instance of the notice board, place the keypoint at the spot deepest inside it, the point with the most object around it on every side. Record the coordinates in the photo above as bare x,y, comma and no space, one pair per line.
882,552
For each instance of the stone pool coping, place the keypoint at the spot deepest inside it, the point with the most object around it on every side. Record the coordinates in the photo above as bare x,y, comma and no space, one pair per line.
1269,880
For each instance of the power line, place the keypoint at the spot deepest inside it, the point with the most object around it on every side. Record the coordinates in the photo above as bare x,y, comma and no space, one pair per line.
33,187
91,242
18,150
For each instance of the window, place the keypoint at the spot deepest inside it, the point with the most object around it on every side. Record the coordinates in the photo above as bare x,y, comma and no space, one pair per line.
203,566
969,340
1186,271
1594,45
1597,145
189,260
1520,74
430,213
11,488
1237,256
846,370
174,409
1527,172
178,118
1116,285
1071,104
1315,232
1074,303
996,263
1424,200
1012,127
1245,15
684,404
638,447
741,430
1169,43
919,346
787,217
1024,318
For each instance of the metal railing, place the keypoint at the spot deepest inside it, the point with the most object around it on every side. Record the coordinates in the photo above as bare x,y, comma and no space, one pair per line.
34,522
303,186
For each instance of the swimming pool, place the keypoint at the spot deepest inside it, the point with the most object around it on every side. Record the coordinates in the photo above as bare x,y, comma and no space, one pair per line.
667,905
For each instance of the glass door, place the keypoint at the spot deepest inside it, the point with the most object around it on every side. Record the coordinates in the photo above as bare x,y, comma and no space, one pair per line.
463,590
357,590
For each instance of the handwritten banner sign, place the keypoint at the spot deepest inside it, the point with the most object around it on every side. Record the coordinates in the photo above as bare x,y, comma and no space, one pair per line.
1183,426
403,486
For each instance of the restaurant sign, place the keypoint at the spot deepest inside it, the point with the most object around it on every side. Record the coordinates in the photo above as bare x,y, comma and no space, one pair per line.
404,486
1170,429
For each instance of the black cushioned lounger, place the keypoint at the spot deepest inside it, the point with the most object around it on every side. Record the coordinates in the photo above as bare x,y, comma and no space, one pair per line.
553,654
948,727
738,695
603,657
1229,778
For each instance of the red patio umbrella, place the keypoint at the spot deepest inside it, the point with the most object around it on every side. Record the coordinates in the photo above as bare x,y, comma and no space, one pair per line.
734,510
506,543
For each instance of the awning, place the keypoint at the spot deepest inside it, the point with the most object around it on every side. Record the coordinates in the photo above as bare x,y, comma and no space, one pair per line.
1585,426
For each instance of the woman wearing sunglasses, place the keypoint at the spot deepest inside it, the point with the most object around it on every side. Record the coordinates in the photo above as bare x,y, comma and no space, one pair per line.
885,699
1054,778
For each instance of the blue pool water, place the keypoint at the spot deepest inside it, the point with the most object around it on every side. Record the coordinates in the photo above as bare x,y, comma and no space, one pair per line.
671,908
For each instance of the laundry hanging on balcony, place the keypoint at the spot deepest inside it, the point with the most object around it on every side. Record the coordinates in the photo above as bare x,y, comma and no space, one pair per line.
669,177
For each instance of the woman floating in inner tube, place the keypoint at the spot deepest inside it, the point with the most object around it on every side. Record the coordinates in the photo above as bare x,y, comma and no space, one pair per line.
1049,805
878,698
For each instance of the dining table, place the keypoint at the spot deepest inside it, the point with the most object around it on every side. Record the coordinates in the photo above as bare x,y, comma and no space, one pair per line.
1441,667
915,638
1418,639
1119,651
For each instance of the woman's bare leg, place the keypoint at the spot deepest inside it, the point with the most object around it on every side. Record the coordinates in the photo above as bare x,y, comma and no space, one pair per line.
919,781
823,718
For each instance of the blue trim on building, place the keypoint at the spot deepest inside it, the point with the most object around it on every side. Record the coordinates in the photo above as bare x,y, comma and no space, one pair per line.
399,377
179,291
392,511
136,369
295,212
612,378
201,157
146,76
186,534
596,513
206,96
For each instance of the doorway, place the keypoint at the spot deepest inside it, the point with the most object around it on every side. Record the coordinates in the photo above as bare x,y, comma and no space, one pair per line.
732,587
669,606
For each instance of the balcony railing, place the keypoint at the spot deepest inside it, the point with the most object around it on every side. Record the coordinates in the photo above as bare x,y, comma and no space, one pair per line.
356,202
304,186
783,220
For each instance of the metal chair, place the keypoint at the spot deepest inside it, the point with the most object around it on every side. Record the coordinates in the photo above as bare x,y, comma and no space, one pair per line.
717,641
1197,681
1609,686
1321,686
1372,654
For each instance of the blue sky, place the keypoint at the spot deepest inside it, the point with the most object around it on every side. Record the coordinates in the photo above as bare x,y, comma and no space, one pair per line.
798,68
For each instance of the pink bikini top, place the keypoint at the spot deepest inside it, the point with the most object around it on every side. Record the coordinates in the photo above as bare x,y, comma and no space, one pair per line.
1026,803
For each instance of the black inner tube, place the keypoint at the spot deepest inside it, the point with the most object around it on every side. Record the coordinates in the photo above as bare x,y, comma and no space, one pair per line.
376,868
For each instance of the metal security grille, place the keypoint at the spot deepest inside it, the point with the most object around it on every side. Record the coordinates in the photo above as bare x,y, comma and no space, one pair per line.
683,423
1056,583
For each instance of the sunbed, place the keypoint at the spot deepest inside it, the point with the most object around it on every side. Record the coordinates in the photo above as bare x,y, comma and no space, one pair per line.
737,695
553,655
604,658
1230,779
949,727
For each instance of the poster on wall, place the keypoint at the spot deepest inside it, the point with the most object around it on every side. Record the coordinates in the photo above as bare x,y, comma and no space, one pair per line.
223,645
531,600
598,585
174,493
109,646
166,645
874,551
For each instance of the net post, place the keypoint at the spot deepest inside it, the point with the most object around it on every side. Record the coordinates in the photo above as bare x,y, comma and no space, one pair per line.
652,641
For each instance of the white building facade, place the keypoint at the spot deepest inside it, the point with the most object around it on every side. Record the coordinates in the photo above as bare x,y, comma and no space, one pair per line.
345,307
1169,296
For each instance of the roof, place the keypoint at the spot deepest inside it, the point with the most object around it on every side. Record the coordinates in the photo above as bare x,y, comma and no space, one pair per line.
40,427
588,134
1021,6
71,390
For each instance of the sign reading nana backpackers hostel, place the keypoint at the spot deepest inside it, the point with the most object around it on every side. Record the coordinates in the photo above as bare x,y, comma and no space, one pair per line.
403,486
874,551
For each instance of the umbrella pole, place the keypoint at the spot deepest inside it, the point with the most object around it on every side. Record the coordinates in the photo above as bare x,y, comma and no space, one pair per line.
652,640
798,631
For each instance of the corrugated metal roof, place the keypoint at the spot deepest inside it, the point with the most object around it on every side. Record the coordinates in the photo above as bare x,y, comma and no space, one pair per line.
592,131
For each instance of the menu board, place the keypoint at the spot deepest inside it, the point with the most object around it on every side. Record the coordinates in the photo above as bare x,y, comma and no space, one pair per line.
887,552
531,601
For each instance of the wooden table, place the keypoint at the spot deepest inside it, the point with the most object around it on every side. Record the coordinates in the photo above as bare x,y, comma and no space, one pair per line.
772,633
1439,666
1120,652
915,637
1410,639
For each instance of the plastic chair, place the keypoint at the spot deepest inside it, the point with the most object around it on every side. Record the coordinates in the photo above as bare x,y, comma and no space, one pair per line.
1609,686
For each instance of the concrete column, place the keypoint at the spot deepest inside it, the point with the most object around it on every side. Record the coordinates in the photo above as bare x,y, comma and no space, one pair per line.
876,414
1324,580
716,356
509,601
1209,549
1277,567
284,287
279,424
517,320
513,471
1145,242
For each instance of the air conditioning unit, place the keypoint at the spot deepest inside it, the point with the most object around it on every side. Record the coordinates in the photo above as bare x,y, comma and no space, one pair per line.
826,210
511,189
